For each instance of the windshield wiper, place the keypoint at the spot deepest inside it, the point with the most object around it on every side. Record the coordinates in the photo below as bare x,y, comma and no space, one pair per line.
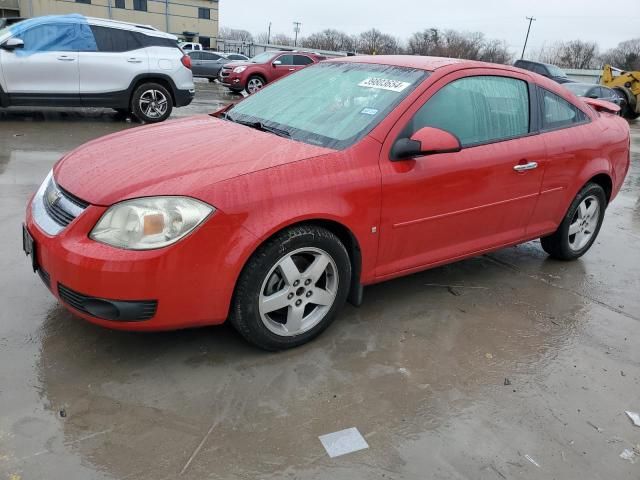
262,127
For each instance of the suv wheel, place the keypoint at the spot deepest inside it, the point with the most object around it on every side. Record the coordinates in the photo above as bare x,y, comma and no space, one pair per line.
254,84
151,103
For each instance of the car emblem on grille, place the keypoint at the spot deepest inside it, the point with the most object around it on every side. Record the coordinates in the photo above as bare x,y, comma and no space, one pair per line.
57,196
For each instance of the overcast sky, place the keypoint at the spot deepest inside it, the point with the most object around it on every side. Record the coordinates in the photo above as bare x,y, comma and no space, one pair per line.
594,20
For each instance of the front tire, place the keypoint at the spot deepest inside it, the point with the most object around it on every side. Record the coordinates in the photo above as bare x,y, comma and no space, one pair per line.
580,226
151,103
254,84
292,288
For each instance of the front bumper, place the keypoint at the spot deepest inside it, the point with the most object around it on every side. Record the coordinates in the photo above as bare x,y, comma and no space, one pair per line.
187,284
233,81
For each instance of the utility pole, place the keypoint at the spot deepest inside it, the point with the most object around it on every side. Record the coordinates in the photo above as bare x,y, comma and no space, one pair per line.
531,19
269,34
296,28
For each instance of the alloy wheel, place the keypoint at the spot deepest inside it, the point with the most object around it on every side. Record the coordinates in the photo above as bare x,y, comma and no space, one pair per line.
298,291
584,223
153,103
254,84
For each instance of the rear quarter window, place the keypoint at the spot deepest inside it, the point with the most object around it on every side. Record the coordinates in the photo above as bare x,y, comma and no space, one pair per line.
114,39
151,41
558,113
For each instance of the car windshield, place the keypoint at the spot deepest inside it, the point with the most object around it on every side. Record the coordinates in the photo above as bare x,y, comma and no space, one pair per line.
263,57
329,104
555,71
579,89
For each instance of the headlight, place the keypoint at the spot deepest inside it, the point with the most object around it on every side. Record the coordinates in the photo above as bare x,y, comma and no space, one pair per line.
152,222
239,69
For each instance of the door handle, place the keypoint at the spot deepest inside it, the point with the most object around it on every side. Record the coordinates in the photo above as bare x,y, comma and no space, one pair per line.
291,69
65,58
134,60
523,167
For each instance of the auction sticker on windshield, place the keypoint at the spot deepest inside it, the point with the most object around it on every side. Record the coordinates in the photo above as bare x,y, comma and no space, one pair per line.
384,84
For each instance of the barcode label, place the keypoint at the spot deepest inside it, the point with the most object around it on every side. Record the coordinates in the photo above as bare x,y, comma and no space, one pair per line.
384,84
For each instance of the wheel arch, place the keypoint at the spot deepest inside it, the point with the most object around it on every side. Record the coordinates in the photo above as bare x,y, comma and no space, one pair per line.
259,74
340,230
160,79
605,181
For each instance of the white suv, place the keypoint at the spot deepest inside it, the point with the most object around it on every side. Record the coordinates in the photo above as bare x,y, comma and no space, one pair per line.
77,61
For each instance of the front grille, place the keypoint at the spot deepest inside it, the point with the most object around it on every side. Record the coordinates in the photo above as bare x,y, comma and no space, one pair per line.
73,199
60,215
44,276
121,310
225,72
62,206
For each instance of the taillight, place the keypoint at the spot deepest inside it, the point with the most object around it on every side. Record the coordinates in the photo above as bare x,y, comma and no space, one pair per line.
186,61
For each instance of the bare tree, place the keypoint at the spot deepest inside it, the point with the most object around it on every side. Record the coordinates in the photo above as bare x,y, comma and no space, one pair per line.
572,54
227,33
496,51
427,42
281,39
451,43
262,37
579,54
625,56
374,42
330,39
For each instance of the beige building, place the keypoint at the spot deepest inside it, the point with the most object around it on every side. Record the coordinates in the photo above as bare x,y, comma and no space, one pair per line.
192,20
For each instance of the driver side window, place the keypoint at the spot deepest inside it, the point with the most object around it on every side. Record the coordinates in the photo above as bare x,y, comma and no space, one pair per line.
286,59
477,110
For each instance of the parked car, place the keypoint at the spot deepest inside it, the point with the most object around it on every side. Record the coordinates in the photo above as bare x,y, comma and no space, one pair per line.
275,210
207,64
236,57
77,61
545,69
190,46
266,67
592,90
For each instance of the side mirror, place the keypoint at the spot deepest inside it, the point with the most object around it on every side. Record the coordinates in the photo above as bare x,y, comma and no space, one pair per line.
12,44
277,62
426,141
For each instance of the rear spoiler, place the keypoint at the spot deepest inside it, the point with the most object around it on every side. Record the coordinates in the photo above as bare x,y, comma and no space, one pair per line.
602,105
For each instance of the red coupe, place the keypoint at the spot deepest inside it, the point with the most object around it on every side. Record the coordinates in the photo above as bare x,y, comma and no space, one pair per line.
274,211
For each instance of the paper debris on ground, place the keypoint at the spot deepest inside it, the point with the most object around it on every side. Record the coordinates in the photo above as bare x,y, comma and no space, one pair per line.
628,454
343,442
635,417
532,461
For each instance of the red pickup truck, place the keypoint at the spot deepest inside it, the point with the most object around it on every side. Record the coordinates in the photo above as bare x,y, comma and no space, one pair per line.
264,68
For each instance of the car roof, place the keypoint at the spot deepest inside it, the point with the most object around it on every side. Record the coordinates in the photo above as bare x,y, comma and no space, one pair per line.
136,27
423,63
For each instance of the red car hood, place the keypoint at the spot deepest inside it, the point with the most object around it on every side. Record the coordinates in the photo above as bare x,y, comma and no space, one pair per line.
183,157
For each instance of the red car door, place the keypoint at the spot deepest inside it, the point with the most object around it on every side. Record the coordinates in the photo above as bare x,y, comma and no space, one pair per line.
281,66
441,207
570,138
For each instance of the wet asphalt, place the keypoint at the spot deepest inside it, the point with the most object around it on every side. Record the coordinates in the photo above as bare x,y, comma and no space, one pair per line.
509,365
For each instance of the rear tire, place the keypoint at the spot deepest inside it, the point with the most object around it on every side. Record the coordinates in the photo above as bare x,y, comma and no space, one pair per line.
580,226
274,305
151,103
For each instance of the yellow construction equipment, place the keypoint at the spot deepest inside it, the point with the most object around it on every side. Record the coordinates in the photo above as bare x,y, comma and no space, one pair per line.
627,84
